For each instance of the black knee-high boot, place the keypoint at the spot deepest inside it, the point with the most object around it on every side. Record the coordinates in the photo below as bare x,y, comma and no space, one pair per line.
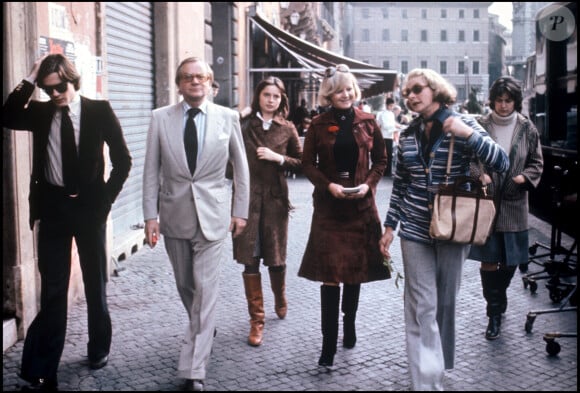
491,284
329,300
506,273
350,296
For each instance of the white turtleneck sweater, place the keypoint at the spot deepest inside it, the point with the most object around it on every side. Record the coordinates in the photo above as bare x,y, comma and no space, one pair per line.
502,129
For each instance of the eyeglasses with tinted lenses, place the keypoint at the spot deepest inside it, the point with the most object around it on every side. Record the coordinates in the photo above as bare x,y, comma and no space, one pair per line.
330,71
417,89
202,78
61,88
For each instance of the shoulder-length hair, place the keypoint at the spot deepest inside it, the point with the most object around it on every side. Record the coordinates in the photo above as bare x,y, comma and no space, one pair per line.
204,64
283,108
443,91
62,66
336,79
506,85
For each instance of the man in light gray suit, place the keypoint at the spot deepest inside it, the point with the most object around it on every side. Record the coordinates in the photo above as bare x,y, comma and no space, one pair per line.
184,184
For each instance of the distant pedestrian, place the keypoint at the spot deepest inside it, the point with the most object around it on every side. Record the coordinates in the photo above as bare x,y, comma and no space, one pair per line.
400,117
300,113
507,247
272,147
344,158
390,130
432,269
364,106
305,126
215,89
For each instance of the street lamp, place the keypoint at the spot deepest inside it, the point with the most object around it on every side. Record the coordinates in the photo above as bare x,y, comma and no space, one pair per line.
466,76
480,97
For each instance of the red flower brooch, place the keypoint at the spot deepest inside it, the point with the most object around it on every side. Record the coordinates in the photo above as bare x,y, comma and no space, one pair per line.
333,129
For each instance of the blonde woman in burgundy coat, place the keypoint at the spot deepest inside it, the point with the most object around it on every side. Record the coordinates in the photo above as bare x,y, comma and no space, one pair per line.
344,157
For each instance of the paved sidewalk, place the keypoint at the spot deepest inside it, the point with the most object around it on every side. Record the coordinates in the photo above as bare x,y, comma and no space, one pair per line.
149,321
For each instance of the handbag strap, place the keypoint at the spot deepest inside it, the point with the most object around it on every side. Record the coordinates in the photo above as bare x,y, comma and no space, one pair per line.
448,168
449,157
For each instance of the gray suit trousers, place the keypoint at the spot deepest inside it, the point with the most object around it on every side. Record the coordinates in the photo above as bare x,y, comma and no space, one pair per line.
196,268
432,281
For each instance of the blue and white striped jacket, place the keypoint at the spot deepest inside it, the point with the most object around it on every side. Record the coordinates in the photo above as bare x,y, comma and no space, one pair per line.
415,181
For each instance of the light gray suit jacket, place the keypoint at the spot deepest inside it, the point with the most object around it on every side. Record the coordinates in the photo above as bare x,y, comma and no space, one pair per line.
171,193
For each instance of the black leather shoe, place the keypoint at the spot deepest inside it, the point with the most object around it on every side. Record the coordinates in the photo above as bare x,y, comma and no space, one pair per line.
99,363
493,328
326,360
42,385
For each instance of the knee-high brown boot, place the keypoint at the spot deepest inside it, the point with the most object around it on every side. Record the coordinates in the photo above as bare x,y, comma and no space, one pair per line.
278,283
253,286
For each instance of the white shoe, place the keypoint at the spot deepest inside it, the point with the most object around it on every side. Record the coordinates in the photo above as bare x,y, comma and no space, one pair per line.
194,385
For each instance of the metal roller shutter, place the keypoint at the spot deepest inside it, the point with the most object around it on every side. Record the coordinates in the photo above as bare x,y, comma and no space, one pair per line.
130,69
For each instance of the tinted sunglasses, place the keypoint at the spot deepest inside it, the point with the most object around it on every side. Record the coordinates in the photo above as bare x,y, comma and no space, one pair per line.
202,78
416,89
330,71
61,88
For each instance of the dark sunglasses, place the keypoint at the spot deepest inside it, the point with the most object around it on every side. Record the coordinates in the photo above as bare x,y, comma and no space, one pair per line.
417,89
330,71
61,88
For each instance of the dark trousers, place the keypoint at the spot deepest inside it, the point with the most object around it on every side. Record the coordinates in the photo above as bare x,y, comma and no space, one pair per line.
62,219
389,168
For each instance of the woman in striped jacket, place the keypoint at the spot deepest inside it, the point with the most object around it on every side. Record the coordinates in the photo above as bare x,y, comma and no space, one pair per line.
507,247
432,268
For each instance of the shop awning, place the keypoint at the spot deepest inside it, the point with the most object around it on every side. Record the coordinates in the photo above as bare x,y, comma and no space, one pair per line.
314,60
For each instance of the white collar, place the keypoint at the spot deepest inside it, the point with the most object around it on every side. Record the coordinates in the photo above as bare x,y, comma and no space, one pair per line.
266,124
202,107
75,105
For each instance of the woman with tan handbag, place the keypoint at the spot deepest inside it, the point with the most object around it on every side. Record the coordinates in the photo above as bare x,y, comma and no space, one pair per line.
432,269
507,247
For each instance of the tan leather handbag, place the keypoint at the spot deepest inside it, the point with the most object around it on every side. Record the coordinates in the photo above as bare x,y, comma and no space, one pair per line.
461,215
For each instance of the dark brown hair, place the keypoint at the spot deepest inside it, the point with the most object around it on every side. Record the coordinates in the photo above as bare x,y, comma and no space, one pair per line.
284,108
506,85
62,66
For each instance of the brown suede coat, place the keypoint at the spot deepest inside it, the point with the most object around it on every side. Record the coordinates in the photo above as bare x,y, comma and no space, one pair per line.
269,203
344,237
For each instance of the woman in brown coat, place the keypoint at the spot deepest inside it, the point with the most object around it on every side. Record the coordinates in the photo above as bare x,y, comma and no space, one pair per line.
344,157
272,147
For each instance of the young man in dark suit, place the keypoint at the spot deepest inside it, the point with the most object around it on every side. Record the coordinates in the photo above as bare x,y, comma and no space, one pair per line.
69,198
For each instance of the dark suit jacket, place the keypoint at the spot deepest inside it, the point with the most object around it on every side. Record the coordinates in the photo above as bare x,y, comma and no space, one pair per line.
98,125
